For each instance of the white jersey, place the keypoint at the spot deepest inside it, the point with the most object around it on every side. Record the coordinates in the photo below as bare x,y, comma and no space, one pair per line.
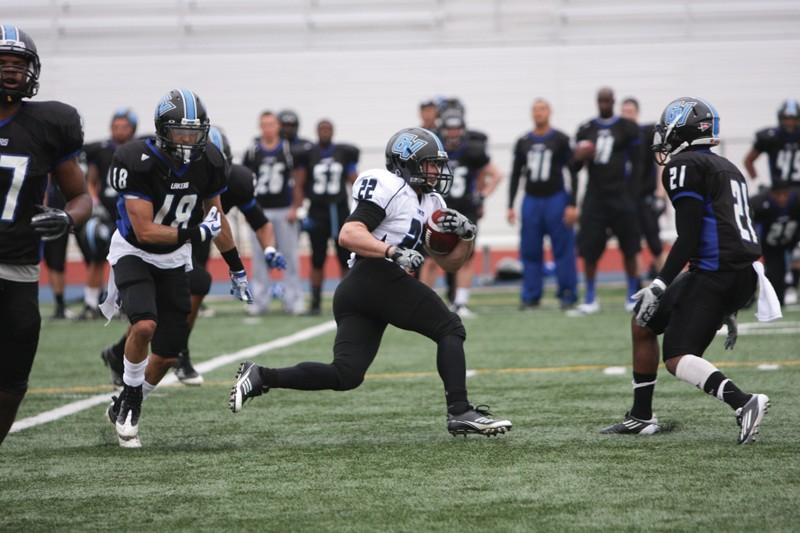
406,212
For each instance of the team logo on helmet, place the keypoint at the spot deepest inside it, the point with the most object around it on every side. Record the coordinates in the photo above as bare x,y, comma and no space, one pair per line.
165,105
406,145
678,113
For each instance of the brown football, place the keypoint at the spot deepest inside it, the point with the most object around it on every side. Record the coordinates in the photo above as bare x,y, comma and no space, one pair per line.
438,242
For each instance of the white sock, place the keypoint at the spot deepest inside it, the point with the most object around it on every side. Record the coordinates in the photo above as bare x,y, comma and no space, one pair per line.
694,370
91,296
462,296
133,376
147,388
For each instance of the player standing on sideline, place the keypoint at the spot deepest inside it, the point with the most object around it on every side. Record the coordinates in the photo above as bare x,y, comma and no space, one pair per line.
717,239
382,232
36,139
429,115
240,194
777,215
165,186
782,146
331,167
279,192
608,145
474,179
651,205
541,156
95,236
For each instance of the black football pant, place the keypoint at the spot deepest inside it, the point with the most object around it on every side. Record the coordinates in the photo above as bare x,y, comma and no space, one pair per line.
775,260
19,333
372,295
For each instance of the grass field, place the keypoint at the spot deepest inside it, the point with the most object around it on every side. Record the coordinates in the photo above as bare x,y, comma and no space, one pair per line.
379,458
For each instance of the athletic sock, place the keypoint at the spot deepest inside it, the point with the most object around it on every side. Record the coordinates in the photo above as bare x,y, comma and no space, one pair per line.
633,286
119,347
703,375
59,297
316,297
147,388
462,296
643,387
133,376
91,297
590,294
450,278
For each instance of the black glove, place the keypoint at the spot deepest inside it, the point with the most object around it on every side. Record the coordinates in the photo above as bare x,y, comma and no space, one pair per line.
733,331
51,223
407,258
452,221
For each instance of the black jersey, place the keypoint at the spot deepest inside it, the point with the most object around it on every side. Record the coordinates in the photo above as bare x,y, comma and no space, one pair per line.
273,170
647,163
328,169
100,155
540,160
35,140
783,150
728,239
241,194
140,170
616,144
466,161
779,227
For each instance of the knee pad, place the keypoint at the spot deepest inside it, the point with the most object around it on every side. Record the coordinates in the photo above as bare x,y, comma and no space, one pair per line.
199,282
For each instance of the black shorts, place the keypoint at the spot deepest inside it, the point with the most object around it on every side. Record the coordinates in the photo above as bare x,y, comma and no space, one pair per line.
695,305
648,223
151,293
326,222
19,333
599,215
55,253
199,277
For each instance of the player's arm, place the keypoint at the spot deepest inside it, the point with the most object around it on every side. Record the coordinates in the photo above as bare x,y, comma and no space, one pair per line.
71,181
453,261
488,179
224,240
749,163
140,214
513,183
688,223
93,181
299,175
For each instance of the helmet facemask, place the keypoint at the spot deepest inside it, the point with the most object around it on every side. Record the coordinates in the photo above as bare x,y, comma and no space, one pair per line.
185,141
28,86
433,174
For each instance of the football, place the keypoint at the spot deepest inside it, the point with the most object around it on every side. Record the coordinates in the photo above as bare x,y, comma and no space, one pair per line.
438,242
584,150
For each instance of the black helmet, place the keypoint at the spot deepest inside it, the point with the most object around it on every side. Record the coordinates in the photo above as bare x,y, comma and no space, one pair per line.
685,122
218,139
409,149
789,109
180,113
15,41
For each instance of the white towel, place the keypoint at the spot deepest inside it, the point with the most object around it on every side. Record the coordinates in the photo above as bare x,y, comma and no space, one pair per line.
110,306
768,308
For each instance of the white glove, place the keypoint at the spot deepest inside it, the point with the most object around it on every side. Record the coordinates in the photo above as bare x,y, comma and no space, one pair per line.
452,221
211,225
647,301
240,289
407,258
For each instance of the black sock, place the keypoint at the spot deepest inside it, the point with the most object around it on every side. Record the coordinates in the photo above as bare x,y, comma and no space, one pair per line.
730,393
119,347
451,287
316,297
643,387
305,376
59,301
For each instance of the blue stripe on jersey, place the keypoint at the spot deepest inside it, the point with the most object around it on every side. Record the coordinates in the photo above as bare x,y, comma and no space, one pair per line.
708,252
189,104
690,194
123,222
248,206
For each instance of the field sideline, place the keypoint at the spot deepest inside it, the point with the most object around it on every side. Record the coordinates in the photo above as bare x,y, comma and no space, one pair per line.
379,458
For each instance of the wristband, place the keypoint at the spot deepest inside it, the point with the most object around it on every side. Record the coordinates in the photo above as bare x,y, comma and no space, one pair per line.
386,252
233,260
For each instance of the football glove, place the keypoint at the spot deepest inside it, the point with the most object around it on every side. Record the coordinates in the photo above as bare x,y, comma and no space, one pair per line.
274,258
733,331
51,223
211,225
648,300
240,289
451,221
407,258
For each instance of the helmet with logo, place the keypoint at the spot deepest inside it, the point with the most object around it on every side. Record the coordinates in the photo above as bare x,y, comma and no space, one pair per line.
417,156
685,122
181,125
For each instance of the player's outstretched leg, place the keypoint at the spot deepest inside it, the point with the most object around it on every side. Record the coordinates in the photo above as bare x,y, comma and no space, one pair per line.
185,371
749,417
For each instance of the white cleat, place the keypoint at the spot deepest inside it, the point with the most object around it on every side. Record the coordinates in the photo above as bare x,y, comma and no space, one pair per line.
749,417
584,309
128,433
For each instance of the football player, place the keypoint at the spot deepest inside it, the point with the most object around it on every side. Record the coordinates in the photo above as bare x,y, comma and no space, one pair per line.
777,215
332,167
95,236
240,194
429,115
169,201
54,253
540,157
279,192
474,179
609,201
383,232
716,237
36,139
650,202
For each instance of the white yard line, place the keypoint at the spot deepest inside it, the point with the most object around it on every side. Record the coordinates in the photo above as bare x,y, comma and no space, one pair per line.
206,366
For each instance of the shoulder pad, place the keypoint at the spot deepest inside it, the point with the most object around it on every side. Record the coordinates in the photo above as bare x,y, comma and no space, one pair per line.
214,156
136,156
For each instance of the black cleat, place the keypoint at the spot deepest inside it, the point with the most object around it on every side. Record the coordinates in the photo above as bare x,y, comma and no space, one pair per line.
114,364
749,417
89,313
127,423
247,385
185,372
113,409
477,420
633,426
